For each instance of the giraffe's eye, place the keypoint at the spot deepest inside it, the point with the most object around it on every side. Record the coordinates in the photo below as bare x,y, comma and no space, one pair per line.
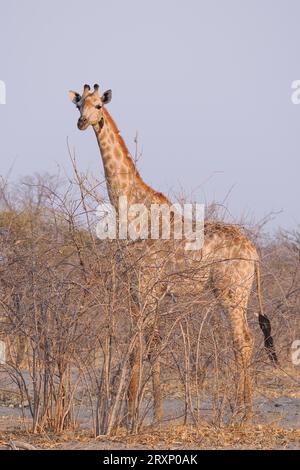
98,106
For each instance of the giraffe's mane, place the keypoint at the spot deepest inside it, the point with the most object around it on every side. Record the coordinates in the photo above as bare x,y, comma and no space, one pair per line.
159,197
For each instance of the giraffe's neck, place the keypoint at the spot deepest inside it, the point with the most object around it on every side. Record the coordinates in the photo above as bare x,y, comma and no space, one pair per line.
121,174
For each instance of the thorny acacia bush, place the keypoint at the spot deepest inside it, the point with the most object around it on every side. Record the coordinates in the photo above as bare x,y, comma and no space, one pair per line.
69,327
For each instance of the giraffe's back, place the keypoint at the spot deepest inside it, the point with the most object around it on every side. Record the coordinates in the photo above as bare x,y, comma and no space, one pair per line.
226,258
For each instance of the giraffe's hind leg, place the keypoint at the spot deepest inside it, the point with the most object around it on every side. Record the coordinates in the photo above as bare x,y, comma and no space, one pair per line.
243,346
234,300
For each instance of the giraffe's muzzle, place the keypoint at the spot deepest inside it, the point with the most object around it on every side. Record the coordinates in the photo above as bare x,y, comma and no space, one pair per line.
82,123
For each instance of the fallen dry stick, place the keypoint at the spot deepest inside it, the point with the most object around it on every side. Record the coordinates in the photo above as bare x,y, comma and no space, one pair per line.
19,445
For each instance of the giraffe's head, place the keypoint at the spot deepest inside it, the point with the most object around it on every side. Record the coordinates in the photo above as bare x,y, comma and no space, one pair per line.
90,106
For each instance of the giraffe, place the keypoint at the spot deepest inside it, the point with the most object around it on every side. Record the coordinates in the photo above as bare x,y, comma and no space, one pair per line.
228,260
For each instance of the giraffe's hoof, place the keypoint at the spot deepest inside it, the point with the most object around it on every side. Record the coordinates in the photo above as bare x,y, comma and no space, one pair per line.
248,415
243,414
157,420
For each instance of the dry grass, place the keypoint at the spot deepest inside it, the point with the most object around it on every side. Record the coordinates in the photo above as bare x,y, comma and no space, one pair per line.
259,437
175,437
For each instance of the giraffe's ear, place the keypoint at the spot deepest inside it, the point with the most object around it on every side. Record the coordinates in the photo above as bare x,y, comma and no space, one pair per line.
106,97
74,97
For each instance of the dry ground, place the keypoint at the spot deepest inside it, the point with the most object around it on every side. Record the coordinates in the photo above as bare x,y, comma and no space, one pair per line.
276,425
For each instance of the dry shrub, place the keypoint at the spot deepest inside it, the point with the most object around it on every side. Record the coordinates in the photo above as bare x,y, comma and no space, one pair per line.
70,328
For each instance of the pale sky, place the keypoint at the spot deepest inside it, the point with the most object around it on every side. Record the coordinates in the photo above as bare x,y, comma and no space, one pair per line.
206,83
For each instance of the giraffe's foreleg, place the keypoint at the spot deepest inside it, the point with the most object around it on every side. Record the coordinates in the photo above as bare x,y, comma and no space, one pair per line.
22,344
133,388
157,395
153,341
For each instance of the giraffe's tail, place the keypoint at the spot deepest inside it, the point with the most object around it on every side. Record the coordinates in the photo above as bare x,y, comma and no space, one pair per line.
264,321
